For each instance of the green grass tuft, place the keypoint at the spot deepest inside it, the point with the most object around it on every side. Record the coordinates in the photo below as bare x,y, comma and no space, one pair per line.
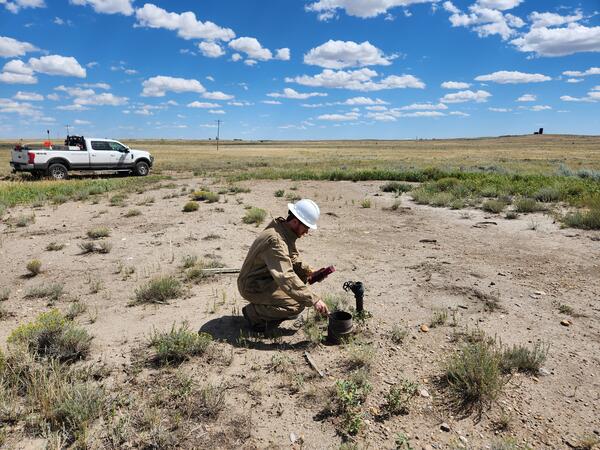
98,232
34,267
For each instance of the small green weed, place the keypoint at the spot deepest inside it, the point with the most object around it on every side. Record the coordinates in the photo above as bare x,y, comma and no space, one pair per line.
398,398
365,203
396,187
439,318
279,193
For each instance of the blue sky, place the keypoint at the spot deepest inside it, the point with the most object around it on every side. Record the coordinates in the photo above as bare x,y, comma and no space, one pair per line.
293,69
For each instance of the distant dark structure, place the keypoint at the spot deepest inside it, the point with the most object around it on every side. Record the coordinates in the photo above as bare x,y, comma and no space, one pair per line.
541,131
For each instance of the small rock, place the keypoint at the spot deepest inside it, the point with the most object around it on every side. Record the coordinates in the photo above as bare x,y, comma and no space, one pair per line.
424,328
544,372
293,438
463,439
424,393
427,447
565,323
445,427
539,293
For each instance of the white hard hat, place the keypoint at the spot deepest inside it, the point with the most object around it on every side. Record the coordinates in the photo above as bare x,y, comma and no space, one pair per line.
306,211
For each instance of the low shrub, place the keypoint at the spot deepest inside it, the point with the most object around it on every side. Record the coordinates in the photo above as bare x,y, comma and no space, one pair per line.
349,396
398,334
24,220
53,291
238,190
279,193
366,203
494,206
52,335
528,205
178,344
511,215
54,246
118,200
4,294
208,196
585,220
441,199
474,376
547,195
396,187
191,206
98,232
522,359
254,215
34,267
439,318
158,290
132,213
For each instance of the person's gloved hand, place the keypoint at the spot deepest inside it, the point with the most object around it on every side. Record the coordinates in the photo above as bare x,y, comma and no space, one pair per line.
321,308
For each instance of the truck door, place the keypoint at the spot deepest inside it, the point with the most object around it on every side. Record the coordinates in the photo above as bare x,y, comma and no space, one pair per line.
102,156
123,157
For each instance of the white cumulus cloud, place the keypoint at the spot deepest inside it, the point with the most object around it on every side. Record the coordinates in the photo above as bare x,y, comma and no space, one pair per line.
486,20
255,51
185,24
14,6
455,85
17,72
340,117
28,96
426,106
57,65
158,86
344,54
107,6
363,101
527,98
291,93
211,49
217,95
574,38
358,8
203,105
466,96
358,80
585,73
501,5
10,47
513,77
551,19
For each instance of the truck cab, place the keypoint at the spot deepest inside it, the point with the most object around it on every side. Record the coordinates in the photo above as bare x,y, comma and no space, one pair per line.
80,154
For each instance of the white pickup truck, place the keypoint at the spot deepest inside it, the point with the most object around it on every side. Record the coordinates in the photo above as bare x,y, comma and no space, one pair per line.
80,153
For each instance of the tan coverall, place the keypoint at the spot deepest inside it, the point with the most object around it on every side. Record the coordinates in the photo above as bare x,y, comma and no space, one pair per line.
272,278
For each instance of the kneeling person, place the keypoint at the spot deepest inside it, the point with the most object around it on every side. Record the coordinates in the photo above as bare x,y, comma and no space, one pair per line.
273,278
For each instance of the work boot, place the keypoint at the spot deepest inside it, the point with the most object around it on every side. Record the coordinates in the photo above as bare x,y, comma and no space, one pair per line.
262,326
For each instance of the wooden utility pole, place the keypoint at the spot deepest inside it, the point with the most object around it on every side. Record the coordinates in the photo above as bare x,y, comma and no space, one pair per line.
218,131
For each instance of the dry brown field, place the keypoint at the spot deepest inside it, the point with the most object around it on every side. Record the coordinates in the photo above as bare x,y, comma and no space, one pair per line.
436,280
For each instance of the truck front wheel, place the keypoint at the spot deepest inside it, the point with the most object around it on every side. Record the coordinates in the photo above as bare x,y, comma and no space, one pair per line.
58,172
142,169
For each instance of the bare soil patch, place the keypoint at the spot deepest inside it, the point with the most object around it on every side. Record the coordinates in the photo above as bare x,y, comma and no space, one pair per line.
414,261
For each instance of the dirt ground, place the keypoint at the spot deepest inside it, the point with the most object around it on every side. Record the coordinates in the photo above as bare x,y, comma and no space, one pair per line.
532,270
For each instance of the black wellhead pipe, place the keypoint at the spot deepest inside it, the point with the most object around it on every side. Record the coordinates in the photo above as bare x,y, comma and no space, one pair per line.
358,290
